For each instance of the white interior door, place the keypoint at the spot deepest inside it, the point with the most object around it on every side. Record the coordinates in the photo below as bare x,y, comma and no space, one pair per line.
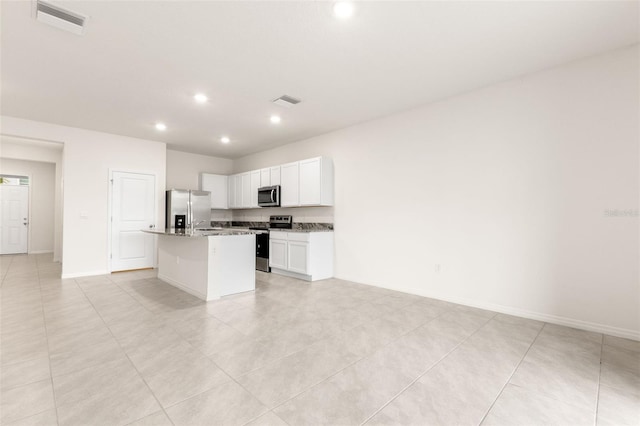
132,209
14,228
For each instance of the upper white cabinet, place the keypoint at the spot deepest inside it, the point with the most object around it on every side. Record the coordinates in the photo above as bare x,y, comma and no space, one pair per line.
253,187
302,183
316,182
265,177
218,186
232,192
246,190
289,185
275,175
270,176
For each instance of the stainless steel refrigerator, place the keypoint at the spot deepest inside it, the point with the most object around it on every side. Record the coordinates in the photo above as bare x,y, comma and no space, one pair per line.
194,205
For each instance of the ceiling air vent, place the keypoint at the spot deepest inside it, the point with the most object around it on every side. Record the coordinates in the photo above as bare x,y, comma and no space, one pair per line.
286,101
60,18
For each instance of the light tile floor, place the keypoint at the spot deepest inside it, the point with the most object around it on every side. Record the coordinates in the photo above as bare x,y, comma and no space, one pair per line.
129,349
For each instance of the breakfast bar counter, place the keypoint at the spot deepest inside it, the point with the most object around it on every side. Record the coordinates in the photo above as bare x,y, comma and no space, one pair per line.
208,264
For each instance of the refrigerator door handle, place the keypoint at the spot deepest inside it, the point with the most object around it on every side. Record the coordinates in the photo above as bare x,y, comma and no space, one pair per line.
189,211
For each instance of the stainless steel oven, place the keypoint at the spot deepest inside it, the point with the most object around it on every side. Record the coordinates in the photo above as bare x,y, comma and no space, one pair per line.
269,196
262,249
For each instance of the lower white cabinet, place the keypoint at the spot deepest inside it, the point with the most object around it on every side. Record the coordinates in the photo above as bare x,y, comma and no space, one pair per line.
277,253
305,255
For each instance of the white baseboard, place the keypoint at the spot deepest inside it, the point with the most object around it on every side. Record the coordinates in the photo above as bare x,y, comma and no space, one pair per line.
40,251
552,319
184,288
85,274
523,313
290,274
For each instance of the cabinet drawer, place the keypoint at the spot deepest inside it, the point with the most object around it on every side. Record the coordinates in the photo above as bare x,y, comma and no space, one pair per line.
298,236
278,235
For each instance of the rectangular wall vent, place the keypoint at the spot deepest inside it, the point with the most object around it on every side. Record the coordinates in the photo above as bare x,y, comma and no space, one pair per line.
60,18
286,101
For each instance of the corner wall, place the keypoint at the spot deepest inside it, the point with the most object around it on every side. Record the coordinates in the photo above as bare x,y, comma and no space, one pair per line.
29,150
42,184
88,156
500,198
183,168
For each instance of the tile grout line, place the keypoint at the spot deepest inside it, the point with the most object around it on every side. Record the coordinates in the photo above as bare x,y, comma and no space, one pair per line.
358,360
305,347
511,375
46,332
595,416
127,355
335,373
426,371
271,410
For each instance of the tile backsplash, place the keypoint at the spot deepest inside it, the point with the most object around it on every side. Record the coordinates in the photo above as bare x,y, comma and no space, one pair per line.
300,214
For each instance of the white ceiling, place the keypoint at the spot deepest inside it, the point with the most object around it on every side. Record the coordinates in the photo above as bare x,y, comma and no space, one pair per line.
140,62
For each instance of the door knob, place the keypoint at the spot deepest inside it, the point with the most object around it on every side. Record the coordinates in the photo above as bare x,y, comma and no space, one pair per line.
151,226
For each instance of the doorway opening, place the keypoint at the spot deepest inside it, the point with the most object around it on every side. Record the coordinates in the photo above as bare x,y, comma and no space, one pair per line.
14,214
41,162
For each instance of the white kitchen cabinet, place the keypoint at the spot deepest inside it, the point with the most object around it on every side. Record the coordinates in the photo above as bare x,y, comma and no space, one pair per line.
316,182
253,190
289,185
217,185
275,175
302,183
238,179
265,177
304,255
278,251
246,190
232,192
270,176
298,257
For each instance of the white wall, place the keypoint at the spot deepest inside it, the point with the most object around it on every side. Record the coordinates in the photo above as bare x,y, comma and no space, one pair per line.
32,150
41,200
506,188
88,157
183,168
183,172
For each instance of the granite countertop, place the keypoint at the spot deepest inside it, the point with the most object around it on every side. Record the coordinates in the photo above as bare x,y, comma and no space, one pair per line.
214,232
303,230
239,230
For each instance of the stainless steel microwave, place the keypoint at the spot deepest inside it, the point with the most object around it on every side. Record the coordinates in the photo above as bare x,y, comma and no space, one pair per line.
269,196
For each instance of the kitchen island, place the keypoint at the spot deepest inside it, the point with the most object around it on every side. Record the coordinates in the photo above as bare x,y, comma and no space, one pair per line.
208,264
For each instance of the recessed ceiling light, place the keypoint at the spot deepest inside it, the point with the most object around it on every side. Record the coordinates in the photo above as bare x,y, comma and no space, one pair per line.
161,126
275,119
343,9
225,139
200,98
